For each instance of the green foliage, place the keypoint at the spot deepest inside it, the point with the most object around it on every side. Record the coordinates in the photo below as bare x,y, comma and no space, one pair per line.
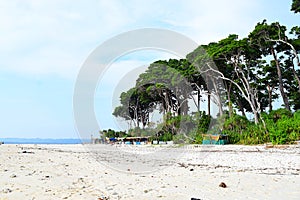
183,128
181,139
114,134
198,139
137,131
295,6
278,114
197,136
166,137
282,127
252,69
202,120
254,134
236,123
297,115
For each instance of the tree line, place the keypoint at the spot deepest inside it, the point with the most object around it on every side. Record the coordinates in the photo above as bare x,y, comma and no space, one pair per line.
239,75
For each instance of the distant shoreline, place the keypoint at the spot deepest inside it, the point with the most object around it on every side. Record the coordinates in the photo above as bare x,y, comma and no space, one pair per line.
44,141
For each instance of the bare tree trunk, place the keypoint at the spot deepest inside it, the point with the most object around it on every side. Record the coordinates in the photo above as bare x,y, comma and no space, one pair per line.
197,103
241,107
281,88
295,57
270,89
249,93
198,99
208,103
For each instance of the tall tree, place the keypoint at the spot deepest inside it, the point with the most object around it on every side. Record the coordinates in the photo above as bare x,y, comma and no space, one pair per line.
236,62
269,84
213,88
267,39
293,50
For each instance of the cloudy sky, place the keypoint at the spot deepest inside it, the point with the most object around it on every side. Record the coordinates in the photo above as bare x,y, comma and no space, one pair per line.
43,45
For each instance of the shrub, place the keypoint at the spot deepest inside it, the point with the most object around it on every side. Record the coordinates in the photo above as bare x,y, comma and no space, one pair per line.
254,134
283,126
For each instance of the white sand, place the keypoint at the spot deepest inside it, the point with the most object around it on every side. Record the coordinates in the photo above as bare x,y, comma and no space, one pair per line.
72,172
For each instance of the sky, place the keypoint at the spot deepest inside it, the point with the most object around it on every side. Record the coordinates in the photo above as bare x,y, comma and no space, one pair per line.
43,45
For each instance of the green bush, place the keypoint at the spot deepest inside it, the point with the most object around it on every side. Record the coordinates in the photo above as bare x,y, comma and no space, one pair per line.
181,139
234,127
254,134
283,126
166,137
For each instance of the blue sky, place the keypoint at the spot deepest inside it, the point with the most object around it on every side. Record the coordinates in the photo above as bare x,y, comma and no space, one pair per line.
44,43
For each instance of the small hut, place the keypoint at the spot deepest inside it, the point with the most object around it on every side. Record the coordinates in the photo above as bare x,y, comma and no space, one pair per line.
218,139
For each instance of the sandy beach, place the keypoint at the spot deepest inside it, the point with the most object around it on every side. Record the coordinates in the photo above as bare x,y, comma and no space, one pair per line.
121,172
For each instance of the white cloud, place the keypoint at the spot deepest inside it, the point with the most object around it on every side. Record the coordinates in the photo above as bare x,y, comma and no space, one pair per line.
208,21
55,37
122,74
39,38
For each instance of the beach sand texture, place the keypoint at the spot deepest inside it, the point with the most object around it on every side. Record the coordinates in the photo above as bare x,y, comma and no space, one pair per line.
73,172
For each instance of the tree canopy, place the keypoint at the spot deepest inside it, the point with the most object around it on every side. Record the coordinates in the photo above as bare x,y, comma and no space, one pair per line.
245,76
295,6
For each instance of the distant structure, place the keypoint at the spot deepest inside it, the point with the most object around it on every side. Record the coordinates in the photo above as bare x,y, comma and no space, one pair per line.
96,140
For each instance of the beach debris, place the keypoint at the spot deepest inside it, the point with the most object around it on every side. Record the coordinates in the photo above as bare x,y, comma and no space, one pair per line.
80,180
191,169
30,174
27,152
182,165
270,145
195,199
7,190
223,185
103,198
13,176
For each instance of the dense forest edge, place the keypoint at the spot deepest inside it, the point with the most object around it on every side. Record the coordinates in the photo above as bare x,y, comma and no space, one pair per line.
244,77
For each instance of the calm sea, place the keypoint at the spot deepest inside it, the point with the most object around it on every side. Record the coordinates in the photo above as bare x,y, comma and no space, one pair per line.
42,141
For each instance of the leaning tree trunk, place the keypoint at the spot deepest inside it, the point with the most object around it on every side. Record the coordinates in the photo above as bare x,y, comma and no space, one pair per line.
281,88
294,70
